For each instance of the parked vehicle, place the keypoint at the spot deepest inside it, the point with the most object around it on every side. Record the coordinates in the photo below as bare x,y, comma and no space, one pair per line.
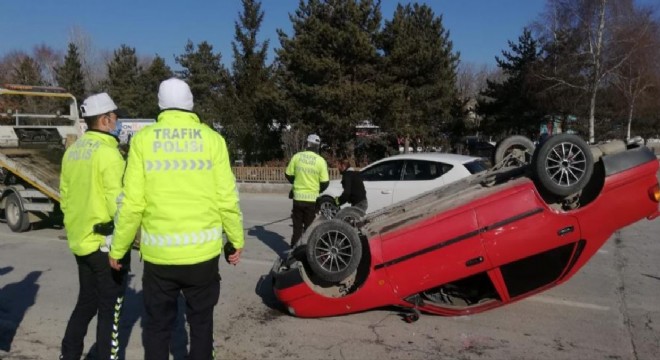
484,241
36,122
400,177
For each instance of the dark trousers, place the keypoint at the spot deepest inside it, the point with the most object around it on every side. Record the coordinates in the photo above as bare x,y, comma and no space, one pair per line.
302,215
161,285
101,292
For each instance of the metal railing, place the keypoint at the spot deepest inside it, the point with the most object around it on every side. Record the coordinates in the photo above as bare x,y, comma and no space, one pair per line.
274,175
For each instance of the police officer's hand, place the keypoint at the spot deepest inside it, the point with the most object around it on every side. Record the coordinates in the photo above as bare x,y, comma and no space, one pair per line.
234,258
114,263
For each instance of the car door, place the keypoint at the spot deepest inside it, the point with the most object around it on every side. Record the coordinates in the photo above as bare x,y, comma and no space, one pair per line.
530,243
434,251
419,176
379,181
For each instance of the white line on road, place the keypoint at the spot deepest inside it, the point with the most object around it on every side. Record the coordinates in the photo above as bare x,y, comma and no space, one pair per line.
548,300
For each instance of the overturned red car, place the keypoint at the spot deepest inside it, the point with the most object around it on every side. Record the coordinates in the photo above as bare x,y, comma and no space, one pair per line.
527,225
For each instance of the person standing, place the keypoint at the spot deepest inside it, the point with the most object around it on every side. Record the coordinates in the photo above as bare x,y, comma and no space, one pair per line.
90,181
351,181
180,190
308,172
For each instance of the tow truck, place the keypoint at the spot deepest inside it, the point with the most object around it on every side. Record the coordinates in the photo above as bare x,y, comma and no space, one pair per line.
37,123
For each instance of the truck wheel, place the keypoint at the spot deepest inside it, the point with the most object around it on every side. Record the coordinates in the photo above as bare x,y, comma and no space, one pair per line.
520,146
17,219
334,250
563,164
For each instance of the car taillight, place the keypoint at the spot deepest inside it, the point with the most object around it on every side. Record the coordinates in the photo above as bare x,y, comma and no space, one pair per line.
654,193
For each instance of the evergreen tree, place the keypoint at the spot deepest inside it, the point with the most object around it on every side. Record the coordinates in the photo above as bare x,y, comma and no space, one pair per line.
254,89
329,67
208,80
150,81
27,72
69,75
123,83
419,73
510,106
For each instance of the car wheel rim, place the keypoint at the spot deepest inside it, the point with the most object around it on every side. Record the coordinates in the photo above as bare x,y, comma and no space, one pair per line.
328,211
566,164
333,251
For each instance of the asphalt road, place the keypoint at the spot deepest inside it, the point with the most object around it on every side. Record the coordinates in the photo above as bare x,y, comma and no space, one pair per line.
610,310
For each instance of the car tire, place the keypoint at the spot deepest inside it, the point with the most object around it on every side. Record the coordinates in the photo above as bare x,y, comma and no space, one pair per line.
334,250
563,165
516,143
326,206
17,219
350,215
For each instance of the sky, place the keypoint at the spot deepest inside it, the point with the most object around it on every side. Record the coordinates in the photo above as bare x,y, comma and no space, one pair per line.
479,29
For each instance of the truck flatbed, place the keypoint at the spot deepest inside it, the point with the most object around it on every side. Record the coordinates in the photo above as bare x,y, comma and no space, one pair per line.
38,167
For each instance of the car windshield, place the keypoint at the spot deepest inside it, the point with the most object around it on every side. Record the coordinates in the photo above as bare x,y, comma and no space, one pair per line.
476,166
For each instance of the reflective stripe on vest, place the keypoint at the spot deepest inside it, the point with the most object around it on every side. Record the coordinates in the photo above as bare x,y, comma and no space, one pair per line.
178,164
309,197
182,239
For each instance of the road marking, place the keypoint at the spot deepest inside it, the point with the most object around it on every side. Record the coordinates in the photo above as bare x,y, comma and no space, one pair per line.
552,301
601,251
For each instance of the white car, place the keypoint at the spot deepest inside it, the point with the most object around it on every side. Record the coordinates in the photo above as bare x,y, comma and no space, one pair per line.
400,177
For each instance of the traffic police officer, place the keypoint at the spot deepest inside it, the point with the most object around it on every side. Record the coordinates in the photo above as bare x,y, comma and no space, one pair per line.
180,188
90,182
308,172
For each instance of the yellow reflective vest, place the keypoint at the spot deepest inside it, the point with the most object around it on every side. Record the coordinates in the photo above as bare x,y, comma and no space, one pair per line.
309,170
180,188
90,182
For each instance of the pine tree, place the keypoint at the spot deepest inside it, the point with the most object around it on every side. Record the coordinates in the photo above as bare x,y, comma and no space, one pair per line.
27,72
208,80
511,106
69,75
253,88
328,67
123,83
150,81
418,73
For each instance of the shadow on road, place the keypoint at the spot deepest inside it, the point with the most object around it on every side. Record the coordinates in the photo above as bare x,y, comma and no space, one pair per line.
15,300
272,239
6,270
133,312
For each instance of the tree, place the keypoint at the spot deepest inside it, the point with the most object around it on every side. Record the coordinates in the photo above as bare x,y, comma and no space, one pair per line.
418,72
637,73
328,67
123,83
48,60
255,96
150,80
208,80
69,75
27,72
580,39
510,106
93,62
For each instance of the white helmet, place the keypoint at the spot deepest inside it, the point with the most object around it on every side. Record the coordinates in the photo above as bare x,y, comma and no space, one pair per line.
314,139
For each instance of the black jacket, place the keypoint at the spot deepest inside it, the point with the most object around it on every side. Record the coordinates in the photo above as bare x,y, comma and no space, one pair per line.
354,191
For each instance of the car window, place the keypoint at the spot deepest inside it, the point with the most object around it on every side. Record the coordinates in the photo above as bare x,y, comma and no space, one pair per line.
424,170
385,171
476,166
